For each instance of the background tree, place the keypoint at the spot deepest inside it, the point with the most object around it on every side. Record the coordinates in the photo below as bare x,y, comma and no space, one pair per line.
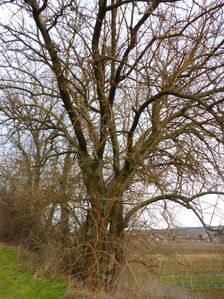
141,83
36,171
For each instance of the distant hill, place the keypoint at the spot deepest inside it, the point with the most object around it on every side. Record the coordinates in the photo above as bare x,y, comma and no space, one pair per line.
191,233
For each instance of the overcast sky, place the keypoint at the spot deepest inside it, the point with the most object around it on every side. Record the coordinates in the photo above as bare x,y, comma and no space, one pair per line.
213,213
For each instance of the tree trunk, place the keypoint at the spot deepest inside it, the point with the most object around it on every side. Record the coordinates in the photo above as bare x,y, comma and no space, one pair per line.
64,222
100,253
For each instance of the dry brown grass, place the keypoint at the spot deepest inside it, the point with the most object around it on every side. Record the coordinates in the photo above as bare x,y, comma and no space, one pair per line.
158,256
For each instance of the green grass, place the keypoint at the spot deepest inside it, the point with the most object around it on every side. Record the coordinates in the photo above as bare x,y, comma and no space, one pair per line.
18,282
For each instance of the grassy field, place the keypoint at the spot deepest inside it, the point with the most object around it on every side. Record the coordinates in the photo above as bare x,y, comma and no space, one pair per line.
194,271
189,265
17,281
154,271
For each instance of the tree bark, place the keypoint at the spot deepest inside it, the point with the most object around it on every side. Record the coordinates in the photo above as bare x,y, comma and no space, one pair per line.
100,254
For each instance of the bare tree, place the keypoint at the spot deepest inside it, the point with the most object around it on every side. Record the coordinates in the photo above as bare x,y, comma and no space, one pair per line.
38,161
142,86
